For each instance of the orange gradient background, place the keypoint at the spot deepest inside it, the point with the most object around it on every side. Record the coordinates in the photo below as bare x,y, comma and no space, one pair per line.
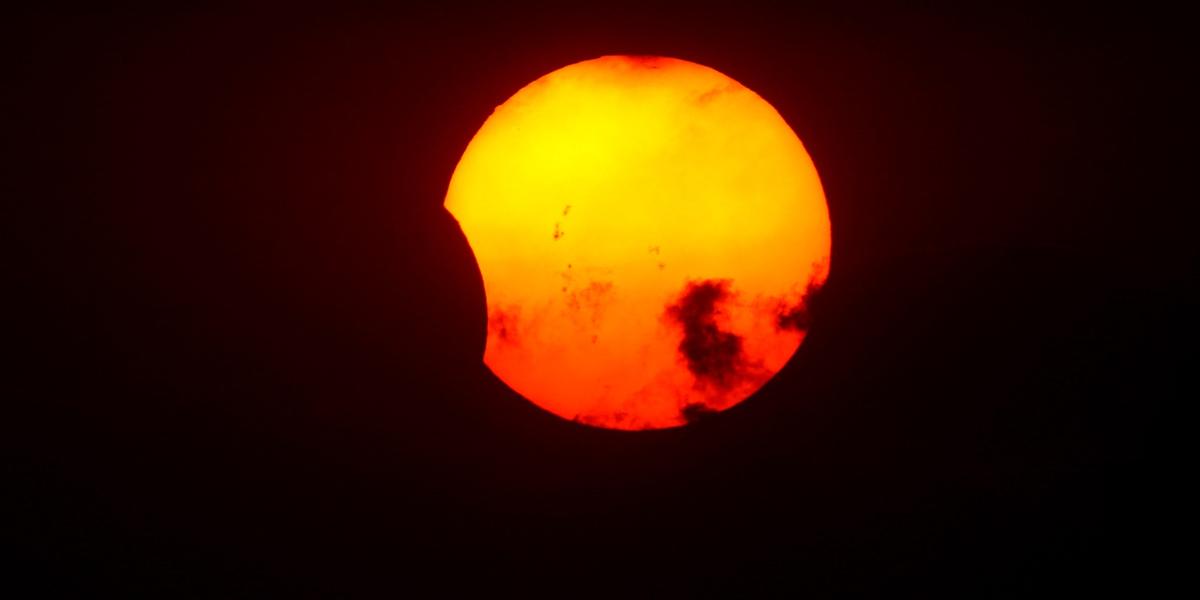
648,231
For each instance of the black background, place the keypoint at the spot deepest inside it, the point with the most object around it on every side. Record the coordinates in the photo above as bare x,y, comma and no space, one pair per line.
248,337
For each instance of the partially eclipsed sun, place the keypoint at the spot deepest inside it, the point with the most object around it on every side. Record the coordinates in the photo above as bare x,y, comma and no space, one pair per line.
649,232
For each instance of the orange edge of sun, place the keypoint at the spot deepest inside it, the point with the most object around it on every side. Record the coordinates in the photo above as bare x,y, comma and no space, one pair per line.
649,232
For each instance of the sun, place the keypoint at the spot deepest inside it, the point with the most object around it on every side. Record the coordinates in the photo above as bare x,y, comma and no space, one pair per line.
649,233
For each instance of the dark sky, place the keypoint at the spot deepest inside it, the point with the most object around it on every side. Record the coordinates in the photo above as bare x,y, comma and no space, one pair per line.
249,339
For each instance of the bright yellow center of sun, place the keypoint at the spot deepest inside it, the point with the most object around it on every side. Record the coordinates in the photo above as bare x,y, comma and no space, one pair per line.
648,231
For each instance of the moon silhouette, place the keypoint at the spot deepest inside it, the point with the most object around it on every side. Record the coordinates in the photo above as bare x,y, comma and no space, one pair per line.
649,232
